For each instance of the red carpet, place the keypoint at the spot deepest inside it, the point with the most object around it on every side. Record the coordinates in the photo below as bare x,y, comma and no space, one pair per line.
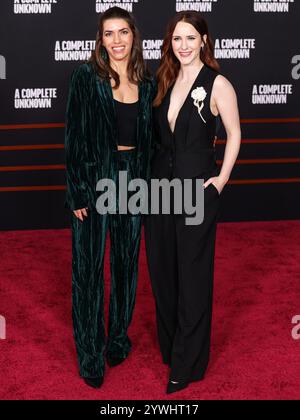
257,293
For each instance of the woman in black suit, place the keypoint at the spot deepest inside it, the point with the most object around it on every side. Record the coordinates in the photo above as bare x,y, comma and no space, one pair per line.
191,95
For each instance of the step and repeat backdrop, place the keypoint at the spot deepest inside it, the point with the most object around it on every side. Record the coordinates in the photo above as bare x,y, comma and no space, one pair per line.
41,41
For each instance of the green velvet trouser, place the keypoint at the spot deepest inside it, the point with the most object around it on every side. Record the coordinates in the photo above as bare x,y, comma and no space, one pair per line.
88,248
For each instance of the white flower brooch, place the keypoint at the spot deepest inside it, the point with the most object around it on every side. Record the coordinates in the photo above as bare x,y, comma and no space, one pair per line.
199,94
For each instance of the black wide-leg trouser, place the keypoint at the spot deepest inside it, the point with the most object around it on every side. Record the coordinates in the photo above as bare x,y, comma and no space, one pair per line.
88,248
181,267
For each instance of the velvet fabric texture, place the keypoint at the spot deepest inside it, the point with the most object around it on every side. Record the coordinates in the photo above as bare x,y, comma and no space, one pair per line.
92,154
91,134
89,240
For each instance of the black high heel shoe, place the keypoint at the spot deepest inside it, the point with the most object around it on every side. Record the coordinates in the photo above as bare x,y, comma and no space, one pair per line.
115,361
94,382
175,387
178,386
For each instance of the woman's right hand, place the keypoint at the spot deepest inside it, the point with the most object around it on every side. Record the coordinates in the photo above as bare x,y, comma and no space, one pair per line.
80,214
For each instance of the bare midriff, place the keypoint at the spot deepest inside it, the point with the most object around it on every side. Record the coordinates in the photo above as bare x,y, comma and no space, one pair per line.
122,148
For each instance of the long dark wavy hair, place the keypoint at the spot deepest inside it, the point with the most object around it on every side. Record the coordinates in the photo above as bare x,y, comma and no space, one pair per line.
136,66
169,66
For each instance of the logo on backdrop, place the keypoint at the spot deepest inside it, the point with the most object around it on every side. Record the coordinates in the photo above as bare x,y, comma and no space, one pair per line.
271,6
37,7
2,67
74,50
103,5
198,5
152,49
234,48
296,68
271,94
35,98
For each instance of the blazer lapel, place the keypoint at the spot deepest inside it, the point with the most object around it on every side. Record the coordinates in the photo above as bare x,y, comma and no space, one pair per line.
108,108
198,82
164,122
188,107
141,108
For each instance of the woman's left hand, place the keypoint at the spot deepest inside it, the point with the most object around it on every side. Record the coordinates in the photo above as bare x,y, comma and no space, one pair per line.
217,182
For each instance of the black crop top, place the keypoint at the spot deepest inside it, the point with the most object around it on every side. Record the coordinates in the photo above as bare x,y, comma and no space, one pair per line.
127,122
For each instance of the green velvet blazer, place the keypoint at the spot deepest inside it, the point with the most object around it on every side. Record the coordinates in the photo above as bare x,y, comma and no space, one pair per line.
91,134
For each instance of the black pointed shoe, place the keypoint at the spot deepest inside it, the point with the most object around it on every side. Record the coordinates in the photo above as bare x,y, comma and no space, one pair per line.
94,382
115,361
178,386
175,387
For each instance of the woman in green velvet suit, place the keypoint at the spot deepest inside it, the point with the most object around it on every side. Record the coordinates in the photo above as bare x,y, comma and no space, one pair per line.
108,129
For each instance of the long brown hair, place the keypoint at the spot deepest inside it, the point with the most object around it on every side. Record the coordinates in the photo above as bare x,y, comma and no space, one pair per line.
169,66
100,59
